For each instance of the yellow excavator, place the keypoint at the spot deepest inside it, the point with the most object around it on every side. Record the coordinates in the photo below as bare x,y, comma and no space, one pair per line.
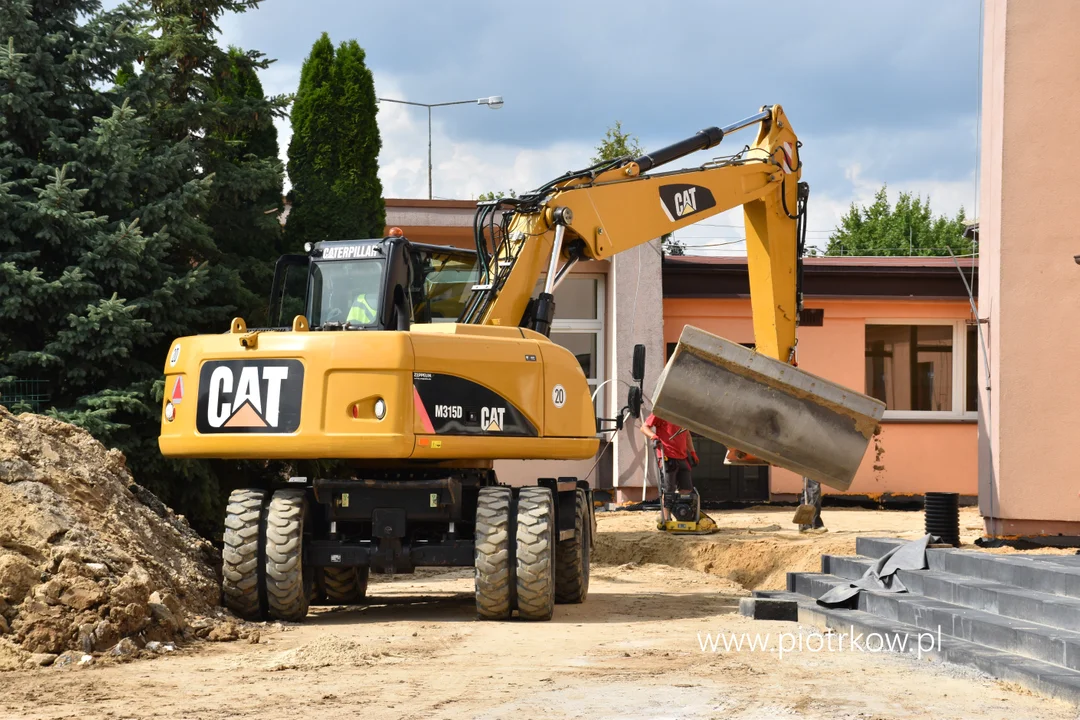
418,410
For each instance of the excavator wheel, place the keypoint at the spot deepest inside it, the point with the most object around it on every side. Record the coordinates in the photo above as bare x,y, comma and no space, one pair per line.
535,554
240,556
572,557
492,559
287,588
345,585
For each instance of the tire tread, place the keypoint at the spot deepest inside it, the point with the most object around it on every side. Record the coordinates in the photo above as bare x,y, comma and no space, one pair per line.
286,594
240,555
535,560
492,554
572,557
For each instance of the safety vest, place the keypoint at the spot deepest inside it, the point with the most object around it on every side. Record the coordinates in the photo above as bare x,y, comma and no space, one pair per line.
361,312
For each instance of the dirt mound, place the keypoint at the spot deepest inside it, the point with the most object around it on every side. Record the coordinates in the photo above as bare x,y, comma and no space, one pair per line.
87,557
755,560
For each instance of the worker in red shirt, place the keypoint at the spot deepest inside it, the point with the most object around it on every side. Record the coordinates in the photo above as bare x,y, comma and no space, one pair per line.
675,450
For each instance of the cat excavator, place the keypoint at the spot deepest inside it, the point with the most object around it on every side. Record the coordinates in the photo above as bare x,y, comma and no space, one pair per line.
414,405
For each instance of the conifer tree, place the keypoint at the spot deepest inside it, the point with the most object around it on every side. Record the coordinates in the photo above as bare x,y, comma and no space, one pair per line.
99,251
245,202
334,152
119,156
214,98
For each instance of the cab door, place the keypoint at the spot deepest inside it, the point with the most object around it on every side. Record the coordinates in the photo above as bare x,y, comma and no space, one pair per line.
288,293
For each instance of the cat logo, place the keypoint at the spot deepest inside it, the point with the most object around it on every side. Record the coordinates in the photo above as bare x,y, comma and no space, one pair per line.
491,419
350,252
679,201
238,396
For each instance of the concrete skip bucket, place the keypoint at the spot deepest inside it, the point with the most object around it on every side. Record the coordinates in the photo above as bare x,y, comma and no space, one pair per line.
754,403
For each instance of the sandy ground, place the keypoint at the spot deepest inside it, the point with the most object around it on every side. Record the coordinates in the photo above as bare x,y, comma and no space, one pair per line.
759,546
632,650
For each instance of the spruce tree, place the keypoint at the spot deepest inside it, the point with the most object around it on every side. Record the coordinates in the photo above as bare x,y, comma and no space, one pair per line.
334,152
245,202
101,241
214,98
130,147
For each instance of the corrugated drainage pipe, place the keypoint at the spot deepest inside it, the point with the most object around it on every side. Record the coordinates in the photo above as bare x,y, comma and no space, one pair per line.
943,516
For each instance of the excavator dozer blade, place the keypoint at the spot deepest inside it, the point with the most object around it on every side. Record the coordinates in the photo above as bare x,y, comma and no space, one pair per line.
767,408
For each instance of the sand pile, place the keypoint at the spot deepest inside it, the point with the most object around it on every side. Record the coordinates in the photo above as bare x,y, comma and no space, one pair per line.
90,562
756,560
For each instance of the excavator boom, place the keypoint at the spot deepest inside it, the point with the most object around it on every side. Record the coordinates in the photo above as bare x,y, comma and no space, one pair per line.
613,207
602,213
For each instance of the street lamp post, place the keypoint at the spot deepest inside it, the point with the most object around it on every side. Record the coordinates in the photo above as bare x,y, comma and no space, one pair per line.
494,102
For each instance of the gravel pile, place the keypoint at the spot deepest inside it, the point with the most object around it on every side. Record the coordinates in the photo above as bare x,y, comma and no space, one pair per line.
92,564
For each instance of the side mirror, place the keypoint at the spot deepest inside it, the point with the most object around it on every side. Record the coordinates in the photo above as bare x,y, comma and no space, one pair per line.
638,369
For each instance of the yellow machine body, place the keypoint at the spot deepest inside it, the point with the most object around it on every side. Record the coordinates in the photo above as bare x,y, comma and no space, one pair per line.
704,525
346,373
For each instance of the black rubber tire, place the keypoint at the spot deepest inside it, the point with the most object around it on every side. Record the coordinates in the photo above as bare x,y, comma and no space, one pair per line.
240,556
345,585
535,554
572,557
287,588
493,573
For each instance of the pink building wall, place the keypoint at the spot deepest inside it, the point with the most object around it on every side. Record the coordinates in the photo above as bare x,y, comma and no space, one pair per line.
916,457
1029,289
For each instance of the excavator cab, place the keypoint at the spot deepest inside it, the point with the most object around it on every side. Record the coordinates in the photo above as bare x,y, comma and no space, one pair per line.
376,284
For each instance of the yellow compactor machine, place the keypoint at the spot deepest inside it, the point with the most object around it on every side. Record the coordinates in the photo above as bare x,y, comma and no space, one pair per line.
419,410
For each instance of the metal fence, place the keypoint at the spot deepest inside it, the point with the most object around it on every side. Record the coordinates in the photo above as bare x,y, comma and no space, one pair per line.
25,394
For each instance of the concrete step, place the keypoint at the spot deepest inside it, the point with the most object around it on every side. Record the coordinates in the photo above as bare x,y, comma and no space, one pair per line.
1044,678
850,567
1010,635
1053,611
875,547
1031,572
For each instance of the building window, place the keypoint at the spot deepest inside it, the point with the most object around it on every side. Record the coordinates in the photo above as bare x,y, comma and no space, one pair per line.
579,325
922,370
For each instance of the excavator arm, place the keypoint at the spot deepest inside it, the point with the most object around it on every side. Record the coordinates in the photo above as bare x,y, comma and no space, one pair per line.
615,207
755,401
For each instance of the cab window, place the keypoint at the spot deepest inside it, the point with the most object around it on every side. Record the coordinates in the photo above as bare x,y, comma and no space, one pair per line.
447,281
349,291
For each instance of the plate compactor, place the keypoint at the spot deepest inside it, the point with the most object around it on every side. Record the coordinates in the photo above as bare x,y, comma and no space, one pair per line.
680,513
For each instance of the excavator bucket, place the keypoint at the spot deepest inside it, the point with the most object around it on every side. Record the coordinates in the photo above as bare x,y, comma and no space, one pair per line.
767,408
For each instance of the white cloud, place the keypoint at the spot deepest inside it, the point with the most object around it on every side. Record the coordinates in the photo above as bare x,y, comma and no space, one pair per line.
714,236
461,169
465,169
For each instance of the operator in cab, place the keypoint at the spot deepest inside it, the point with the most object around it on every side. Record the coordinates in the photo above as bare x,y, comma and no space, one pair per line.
364,286
675,451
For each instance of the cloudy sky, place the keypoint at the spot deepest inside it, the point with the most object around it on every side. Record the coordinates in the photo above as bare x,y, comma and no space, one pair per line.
878,92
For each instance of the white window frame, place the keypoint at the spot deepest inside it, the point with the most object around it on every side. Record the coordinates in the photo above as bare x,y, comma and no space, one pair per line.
959,371
596,327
